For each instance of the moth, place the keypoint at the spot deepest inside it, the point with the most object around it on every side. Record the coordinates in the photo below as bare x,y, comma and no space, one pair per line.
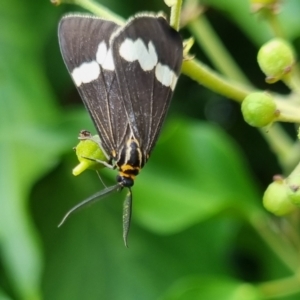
126,76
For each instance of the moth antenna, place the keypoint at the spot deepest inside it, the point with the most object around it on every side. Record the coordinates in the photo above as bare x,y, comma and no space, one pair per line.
96,197
127,211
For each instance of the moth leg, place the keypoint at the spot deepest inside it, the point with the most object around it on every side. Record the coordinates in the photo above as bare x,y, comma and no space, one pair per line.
99,176
100,162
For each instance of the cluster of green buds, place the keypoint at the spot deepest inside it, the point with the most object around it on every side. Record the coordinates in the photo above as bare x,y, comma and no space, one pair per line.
89,153
276,59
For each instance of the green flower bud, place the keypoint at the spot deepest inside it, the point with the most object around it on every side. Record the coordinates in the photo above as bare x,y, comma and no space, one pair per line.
87,151
276,59
259,109
276,199
293,185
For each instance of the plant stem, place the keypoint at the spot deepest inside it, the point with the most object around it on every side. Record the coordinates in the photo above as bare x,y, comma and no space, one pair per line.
97,9
281,287
281,145
175,14
289,111
214,49
274,23
210,79
292,81
286,254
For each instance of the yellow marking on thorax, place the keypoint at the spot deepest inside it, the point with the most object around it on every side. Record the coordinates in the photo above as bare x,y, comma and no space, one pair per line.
123,171
127,175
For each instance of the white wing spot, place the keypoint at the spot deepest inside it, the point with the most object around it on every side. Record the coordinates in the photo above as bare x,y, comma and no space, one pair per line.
86,72
108,62
136,50
174,82
104,57
101,53
165,76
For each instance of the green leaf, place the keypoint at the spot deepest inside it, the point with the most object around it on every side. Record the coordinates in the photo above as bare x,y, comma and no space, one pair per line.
211,288
30,141
3,296
86,257
195,172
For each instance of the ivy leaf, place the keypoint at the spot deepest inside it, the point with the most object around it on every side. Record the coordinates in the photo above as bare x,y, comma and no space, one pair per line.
31,141
194,174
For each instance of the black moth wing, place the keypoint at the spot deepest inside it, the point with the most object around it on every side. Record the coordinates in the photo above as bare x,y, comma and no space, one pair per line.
80,38
145,98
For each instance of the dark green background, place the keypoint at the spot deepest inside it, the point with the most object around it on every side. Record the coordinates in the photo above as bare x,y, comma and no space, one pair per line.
190,236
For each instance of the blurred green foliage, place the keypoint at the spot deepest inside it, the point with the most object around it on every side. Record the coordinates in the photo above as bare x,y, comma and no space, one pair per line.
191,235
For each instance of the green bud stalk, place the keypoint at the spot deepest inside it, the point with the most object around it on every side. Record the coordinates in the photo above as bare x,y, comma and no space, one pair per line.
293,185
270,5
